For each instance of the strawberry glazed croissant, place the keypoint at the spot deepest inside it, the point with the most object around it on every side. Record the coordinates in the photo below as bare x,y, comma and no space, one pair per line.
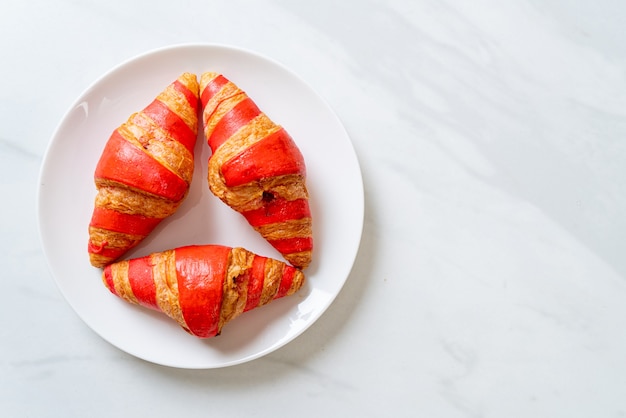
202,287
256,168
145,171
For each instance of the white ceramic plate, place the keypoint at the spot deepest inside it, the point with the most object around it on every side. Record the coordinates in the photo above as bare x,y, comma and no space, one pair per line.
66,193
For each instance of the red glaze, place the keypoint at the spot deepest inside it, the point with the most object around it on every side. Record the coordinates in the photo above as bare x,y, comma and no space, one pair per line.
112,253
169,121
96,249
142,282
274,155
255,282
108,280
123,162
201,271
122,222
212,89
285,282
293,245
278,210
192,99
232,121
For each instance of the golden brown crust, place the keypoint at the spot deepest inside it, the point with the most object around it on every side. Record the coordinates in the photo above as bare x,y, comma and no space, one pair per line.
122,285
141,131
294,228
302,258
177,101
273,276
250,196
297,282
124,199
113,240
98,260
166,283
226,99
235,285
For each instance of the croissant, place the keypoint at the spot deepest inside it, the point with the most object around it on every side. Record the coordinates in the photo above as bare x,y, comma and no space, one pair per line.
256,168
202,287
144,172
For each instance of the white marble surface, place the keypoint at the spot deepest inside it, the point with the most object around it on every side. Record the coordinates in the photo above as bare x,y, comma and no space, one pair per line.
491,277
